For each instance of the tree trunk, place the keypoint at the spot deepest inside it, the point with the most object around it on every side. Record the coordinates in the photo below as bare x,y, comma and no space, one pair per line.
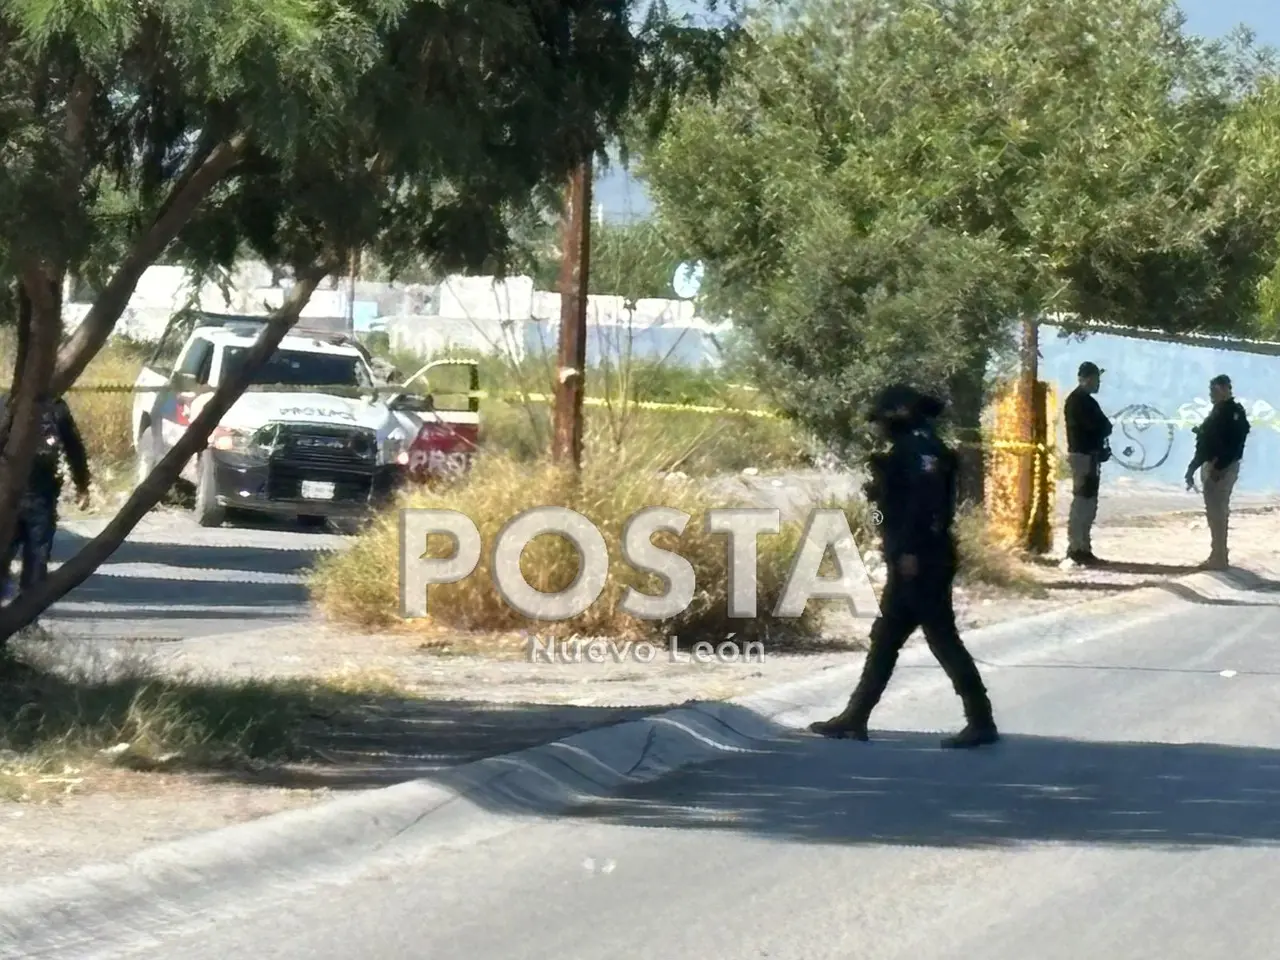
20,357
967,403
208,169
1029,377
75,571
571,375
31,378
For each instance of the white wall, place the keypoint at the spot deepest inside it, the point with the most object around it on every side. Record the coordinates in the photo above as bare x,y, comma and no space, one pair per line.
474,313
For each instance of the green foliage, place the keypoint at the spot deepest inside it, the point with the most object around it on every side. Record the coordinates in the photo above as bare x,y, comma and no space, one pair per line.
882,186
416,130
633,260
1253,135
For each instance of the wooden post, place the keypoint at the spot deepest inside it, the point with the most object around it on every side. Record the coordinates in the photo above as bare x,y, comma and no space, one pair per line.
574,271
351,293
1032,433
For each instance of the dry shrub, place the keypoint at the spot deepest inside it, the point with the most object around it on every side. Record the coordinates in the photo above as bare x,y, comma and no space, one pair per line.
361,585
984,559
101,400
102,403
694,442
67,708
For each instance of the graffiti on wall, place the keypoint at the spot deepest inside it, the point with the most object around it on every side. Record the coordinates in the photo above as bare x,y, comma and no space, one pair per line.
1148,434
1148,437
1260,413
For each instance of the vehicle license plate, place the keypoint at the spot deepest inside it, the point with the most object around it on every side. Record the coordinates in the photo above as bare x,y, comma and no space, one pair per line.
317,490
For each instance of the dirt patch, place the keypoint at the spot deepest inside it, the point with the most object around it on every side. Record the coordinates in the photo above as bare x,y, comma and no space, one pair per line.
422,704
124,812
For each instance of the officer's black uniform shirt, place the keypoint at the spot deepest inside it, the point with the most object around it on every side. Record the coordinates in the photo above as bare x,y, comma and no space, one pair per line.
58,435
915,487
1087,426
1220,439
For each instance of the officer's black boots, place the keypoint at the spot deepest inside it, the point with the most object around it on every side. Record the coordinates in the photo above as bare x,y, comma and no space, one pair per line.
1085,558
840,727
973,735
980,726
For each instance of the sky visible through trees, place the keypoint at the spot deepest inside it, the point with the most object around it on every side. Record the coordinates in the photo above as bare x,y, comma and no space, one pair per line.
623,197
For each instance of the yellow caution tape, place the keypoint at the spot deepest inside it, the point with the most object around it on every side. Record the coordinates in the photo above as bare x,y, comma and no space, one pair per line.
469,394
642,404
1016,445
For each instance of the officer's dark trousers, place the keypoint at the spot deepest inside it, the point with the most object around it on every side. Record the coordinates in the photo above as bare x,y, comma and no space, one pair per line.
33,538
922,601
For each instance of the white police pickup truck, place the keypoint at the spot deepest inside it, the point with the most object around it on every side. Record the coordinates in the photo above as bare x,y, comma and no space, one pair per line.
309,439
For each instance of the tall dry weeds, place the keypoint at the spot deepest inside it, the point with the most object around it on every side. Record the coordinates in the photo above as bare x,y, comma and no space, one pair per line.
361,585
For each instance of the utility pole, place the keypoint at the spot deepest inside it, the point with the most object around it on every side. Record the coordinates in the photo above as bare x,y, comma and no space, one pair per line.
574,270
1032,495
351,292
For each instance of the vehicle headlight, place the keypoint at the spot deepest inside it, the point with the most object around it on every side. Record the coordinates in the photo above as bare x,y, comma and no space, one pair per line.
396,448
232,440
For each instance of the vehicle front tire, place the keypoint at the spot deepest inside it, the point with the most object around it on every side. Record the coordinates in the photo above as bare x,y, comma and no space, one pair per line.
209,513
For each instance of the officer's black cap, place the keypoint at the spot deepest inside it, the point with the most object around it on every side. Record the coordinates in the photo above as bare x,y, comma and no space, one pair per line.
1089,369
894,397
1221,380
930,407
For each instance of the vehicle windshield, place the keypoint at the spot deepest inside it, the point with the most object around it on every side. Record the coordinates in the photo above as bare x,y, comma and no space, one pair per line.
301,368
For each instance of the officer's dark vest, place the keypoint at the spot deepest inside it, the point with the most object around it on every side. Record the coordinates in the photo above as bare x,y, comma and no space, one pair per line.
49,449
46,469
894,497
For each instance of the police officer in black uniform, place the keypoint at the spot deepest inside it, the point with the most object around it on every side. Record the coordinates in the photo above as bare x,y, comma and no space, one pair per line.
1220,444
914,487
38,509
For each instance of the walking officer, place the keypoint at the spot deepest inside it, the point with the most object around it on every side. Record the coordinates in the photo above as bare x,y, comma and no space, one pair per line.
914,487
38,509
1219,448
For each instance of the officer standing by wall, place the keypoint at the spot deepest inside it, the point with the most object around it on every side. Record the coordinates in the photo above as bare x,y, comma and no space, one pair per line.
1219,449
1088,430
38,509
914,486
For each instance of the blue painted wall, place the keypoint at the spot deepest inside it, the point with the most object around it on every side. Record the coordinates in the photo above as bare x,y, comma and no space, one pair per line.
1156,392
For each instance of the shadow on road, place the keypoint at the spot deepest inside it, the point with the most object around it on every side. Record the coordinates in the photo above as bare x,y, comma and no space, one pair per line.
384,742
901,789
1243,580
206,582
65,703
1149,569
202,556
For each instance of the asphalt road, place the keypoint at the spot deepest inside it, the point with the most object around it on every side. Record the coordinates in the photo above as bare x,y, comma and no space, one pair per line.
1131,811
173,579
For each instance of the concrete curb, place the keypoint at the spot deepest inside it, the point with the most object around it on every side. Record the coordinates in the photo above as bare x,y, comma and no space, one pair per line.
111,910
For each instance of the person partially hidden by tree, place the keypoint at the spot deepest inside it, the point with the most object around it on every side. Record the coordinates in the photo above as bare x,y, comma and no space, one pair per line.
38,508
914,488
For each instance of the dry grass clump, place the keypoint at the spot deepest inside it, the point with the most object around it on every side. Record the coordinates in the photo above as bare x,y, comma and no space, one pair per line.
101,402
361,585
983,559
63,716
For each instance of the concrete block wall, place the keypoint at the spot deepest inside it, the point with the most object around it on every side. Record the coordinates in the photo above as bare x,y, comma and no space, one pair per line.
1157,391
